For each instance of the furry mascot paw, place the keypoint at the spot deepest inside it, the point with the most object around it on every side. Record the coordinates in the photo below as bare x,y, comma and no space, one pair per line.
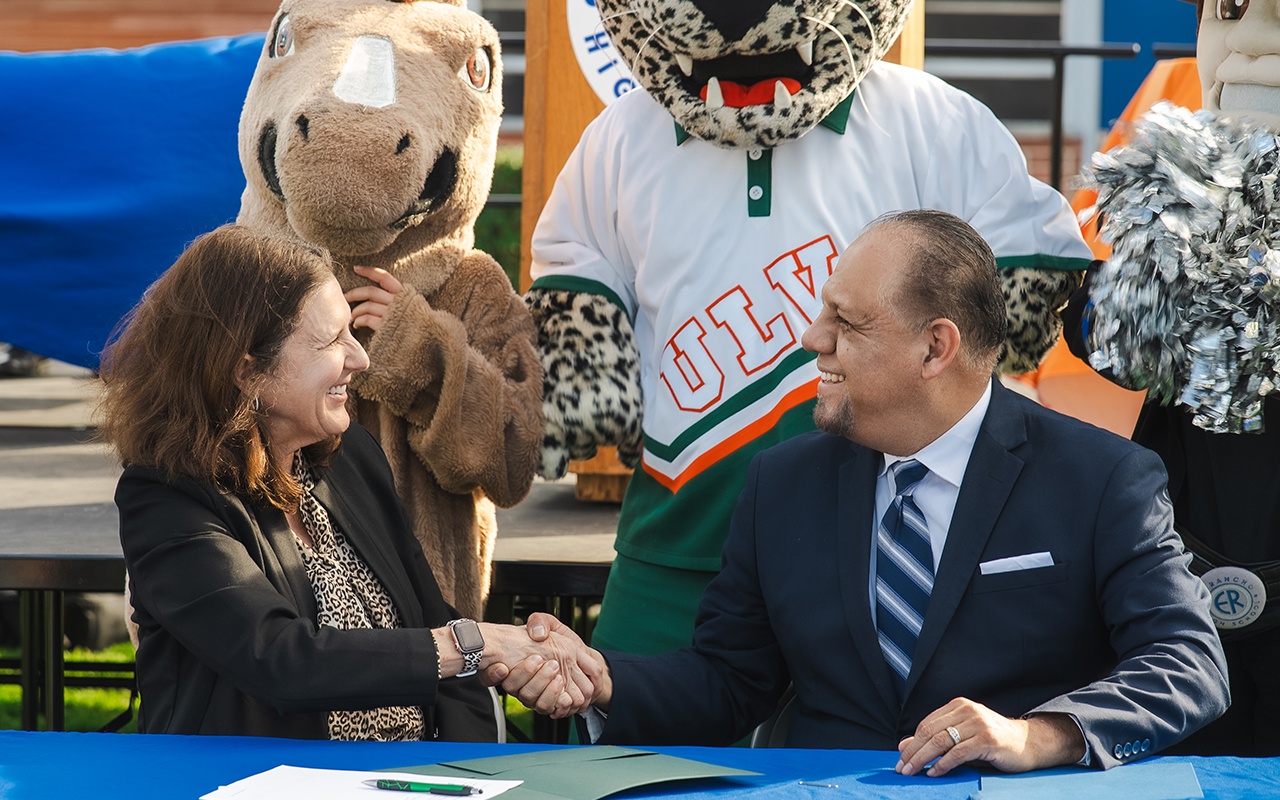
370,129
1033,298
591,379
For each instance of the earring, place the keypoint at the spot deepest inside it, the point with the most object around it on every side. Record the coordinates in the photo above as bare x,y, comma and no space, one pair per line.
255,404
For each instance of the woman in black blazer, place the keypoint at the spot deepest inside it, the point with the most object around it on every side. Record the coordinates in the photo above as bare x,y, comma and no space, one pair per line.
276,584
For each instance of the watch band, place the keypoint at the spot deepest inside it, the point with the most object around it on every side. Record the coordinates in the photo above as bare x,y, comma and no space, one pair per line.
471,657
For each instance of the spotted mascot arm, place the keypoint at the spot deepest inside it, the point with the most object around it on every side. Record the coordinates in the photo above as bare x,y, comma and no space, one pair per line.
1033,301
591,378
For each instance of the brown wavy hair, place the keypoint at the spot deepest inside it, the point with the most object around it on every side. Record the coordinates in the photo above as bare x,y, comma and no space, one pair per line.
171,399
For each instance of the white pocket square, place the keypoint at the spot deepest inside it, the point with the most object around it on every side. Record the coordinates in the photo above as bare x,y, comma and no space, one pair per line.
1015,563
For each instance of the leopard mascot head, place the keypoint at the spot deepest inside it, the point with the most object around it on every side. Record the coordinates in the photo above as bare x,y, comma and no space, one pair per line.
741,75
751,73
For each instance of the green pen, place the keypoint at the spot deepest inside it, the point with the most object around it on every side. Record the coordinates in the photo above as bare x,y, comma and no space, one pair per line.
454,789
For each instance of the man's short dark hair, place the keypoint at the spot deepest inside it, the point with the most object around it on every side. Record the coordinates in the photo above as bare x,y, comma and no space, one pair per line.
951,273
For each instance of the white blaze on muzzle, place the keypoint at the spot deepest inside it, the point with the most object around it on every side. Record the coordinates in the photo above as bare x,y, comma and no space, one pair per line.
369,77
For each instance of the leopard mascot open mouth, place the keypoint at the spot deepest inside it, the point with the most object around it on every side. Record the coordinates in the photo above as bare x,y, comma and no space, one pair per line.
751,73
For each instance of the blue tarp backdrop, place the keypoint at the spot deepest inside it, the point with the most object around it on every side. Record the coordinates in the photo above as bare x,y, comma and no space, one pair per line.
111,162
1147,22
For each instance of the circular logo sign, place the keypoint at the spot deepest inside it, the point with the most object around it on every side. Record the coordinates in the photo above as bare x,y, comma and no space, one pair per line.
601,65
1236,596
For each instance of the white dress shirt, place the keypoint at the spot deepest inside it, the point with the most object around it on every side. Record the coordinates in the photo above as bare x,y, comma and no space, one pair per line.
946,457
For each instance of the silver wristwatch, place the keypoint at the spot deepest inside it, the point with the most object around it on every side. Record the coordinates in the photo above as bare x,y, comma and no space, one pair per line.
470,642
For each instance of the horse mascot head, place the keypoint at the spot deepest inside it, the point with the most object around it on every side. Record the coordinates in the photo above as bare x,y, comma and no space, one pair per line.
370,130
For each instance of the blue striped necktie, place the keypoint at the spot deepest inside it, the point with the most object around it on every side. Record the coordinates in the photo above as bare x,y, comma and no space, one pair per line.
904,572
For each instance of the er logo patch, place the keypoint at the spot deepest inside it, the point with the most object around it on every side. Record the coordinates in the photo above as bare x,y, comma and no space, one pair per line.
1236,596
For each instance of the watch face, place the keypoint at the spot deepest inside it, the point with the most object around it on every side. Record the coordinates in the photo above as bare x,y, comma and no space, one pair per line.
467,632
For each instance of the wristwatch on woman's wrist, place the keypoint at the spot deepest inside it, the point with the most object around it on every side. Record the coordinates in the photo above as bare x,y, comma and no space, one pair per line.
470,642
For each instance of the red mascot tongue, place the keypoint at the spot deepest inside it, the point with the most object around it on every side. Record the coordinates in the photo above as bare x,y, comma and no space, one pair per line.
737,95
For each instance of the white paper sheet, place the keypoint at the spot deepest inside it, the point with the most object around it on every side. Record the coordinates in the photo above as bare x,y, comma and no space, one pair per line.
305,783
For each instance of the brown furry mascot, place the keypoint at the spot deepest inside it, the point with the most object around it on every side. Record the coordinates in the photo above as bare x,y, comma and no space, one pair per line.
370,130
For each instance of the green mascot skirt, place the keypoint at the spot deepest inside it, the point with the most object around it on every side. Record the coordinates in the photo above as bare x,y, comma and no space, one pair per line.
648,608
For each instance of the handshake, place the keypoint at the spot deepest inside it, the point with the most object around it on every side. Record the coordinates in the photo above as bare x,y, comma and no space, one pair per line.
546,666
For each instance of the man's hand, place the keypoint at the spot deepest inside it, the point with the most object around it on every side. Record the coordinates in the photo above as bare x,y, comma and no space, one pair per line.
1009,745
373,300
560,676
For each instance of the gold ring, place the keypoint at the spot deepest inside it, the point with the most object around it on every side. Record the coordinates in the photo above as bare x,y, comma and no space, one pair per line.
954,734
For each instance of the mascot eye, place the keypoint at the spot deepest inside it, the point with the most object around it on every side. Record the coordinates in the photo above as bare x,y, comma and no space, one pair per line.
282,39
479,69
1232,9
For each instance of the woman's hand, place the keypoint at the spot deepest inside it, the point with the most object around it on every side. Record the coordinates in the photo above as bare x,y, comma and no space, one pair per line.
372,301
548,668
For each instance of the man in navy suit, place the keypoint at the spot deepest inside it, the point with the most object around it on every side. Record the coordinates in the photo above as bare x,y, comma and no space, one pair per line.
1012,592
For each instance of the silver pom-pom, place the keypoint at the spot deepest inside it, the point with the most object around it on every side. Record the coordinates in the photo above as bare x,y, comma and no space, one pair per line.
1187,306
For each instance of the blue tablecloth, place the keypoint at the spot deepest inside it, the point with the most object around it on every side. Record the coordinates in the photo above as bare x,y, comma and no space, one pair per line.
111,161
137,767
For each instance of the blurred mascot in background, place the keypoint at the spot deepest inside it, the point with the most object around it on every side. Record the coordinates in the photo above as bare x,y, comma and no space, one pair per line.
1188,308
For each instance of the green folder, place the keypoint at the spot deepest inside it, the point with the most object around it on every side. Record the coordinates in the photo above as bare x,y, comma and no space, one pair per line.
578,773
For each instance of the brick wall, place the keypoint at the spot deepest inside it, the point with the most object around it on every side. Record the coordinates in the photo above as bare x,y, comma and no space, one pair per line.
1037,151
32,25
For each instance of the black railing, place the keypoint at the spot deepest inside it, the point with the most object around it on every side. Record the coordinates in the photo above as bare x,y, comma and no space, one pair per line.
1056,52
1173,51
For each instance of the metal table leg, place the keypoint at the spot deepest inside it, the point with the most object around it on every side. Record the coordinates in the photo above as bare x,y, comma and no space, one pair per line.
54,678
31,606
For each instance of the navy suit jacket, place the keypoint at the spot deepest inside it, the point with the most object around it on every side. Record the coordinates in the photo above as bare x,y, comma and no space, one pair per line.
1116,632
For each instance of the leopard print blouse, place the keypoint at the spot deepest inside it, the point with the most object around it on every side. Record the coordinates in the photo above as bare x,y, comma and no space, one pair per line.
348,596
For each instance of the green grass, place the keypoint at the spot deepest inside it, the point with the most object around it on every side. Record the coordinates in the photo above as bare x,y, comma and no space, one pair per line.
88,710
498,229
85,709
518,717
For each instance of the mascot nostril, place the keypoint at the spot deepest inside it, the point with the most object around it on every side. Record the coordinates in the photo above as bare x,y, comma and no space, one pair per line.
267,159
437,188
403,144
304,125
733,18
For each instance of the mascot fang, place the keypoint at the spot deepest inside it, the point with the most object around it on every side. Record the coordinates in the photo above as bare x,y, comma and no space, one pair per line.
370,130
683,250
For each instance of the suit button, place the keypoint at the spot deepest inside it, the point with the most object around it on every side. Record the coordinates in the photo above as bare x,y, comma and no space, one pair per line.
1146,745
1128,749
1119,751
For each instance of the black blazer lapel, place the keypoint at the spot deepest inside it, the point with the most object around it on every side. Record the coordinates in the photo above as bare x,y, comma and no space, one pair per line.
376,550
989,478
855,515
274,529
